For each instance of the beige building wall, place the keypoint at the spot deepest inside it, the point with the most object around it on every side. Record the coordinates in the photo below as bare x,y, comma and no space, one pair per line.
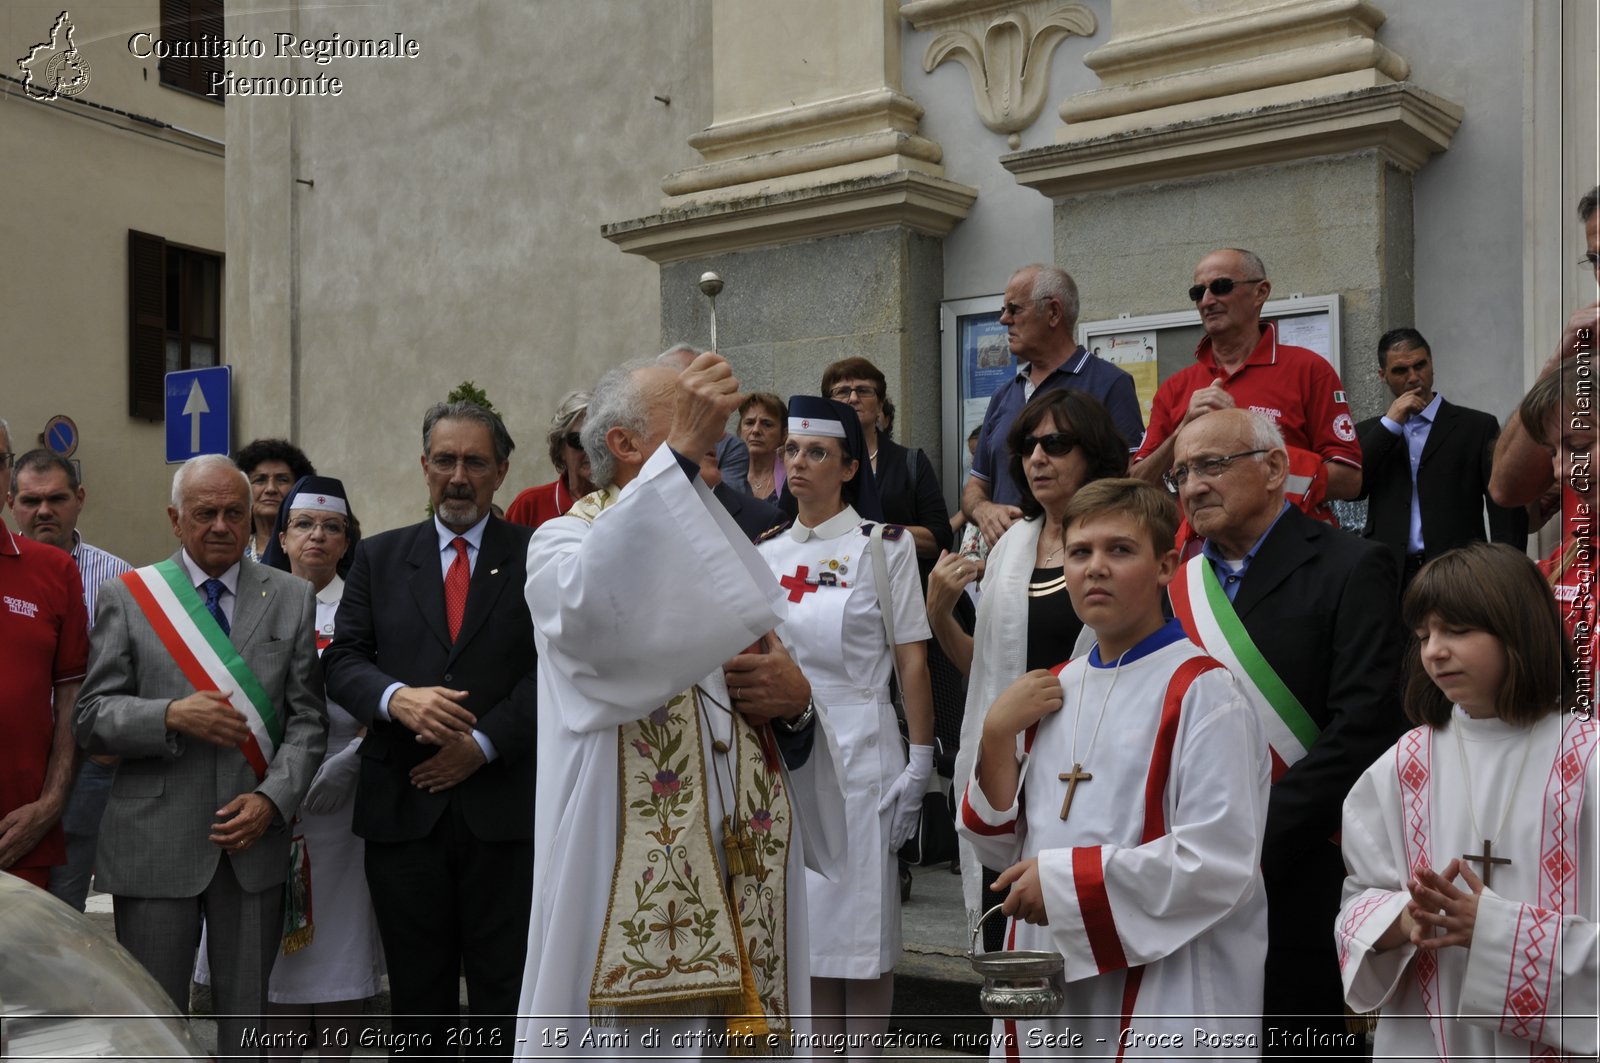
440,221
75,179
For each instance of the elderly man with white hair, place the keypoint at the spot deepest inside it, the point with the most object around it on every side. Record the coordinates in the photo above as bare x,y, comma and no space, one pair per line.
1304,616
203,678
672,823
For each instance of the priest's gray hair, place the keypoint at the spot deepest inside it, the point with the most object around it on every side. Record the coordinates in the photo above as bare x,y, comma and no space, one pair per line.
619,400
678,356
180,479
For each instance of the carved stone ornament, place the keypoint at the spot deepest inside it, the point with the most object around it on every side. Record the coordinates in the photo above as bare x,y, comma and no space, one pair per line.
1006,47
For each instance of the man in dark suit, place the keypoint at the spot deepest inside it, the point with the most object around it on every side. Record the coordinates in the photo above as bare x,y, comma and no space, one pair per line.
1425,465
198,820
433,651
1318,605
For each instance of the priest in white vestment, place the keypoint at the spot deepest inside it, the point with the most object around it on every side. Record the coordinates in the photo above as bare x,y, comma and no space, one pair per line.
643,598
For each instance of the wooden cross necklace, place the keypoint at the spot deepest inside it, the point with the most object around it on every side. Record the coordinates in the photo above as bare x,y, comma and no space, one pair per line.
1077,774
1488,860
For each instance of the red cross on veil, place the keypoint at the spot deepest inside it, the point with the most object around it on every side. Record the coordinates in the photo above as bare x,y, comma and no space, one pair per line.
797,585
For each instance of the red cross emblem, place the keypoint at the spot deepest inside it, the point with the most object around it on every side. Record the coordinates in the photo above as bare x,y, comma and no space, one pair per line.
796,585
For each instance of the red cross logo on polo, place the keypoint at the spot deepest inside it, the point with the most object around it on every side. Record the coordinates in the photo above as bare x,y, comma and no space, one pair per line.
799,584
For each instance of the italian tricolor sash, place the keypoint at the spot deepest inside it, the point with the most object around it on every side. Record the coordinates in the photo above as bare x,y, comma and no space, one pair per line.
1208,617
203,653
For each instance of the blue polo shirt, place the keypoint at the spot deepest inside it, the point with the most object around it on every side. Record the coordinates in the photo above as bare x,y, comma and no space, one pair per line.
1087,373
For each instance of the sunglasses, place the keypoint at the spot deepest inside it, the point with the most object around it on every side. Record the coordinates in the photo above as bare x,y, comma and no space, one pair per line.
1590,259
1055,444
573,440
1219,287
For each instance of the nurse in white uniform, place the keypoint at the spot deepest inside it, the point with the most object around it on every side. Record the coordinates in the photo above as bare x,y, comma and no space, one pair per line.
835,631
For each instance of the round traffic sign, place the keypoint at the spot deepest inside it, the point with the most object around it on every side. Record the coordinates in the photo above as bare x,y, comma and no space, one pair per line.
61,435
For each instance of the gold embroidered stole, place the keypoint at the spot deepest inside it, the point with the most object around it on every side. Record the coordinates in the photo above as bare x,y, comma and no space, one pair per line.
669,944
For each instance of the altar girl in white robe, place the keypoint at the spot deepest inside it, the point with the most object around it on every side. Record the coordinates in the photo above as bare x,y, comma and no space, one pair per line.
1469,913
1126,798
639,594
836,632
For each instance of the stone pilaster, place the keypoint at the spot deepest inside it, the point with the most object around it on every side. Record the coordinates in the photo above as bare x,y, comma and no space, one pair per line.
818,201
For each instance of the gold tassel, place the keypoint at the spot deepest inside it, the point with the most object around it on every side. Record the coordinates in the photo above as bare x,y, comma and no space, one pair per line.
299,939
747,1033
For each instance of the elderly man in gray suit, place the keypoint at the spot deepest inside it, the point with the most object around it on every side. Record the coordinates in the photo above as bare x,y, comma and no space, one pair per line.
203,677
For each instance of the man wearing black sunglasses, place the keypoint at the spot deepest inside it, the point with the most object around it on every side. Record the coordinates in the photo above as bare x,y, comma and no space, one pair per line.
1040,313
1241,363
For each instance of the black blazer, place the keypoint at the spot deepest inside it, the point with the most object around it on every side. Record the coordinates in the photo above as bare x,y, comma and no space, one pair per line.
754,516
1452,485
390,628
1322,606
912,500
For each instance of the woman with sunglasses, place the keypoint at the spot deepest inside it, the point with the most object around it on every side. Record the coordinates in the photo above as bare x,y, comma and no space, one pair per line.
535,505
319,981
835,631
1061,440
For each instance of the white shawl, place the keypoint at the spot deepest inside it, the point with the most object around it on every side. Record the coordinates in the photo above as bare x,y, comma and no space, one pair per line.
999,658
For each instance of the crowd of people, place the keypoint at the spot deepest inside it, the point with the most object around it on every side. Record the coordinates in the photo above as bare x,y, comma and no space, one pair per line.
636,759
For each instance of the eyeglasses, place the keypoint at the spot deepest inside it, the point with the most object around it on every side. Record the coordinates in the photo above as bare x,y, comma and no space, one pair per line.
1205,468
5,458
1219,287
1055,444
1016,309
816,455
1590,259
573,440
305,526
844,392
445,464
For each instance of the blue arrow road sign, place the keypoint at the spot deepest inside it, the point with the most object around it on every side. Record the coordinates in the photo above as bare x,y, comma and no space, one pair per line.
199,412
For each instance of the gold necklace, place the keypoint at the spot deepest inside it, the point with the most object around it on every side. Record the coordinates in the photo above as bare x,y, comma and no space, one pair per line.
1052,554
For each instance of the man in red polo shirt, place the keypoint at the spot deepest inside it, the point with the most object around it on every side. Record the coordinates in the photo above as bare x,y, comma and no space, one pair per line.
1241,363
44,652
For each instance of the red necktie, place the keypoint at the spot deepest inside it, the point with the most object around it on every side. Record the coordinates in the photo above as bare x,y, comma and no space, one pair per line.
455,587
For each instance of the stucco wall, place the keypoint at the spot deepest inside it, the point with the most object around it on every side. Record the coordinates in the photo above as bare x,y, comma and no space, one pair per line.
1010,225
452,230
75,180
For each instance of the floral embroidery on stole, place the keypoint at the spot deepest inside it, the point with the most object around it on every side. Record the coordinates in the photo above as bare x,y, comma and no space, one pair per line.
668,945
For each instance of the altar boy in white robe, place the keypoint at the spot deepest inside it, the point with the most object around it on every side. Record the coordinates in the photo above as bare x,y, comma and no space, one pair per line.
1125,793
670,840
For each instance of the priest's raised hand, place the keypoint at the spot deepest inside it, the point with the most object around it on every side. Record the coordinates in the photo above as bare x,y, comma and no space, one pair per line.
707,395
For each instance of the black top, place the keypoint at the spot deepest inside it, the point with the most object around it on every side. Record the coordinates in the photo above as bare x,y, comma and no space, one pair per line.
910,495
1052,625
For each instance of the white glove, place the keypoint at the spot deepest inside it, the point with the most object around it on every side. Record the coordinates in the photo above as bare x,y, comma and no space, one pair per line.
335,781
905,795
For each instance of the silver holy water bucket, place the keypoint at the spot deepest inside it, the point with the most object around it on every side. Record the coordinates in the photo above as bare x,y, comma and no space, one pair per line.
1020,984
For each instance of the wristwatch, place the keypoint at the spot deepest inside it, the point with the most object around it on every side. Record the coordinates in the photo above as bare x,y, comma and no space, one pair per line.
800,722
